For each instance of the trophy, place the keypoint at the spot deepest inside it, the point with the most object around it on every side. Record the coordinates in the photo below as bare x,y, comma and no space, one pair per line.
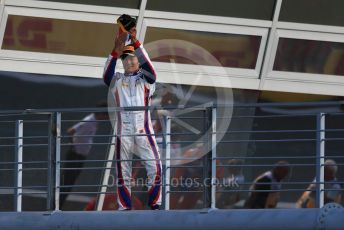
126,23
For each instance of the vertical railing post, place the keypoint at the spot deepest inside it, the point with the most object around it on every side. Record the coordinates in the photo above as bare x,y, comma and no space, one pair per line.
213,158
167,177
18,166
54,161
320,159
57,159
107,172
207,160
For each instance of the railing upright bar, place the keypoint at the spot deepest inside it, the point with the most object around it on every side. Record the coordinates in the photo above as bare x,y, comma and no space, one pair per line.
52,147
213,158
57,137
167,163
207,159
107,171
320,151
19,166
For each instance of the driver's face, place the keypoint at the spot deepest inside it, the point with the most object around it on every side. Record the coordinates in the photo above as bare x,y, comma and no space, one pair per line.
131,64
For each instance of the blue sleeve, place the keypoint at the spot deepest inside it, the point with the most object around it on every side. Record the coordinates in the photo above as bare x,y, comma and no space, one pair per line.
109,69
145,63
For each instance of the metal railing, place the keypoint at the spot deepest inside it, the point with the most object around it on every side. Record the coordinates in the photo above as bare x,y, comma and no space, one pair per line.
208,166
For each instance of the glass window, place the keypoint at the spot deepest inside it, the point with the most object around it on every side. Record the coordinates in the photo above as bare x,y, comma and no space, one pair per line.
58,36
231,50
116,3
255,9
321,12
308,56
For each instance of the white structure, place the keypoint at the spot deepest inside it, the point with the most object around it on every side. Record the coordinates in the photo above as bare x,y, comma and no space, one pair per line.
266,45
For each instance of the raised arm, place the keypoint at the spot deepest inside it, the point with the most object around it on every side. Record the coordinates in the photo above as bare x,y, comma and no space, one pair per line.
145,62
109,69
110,65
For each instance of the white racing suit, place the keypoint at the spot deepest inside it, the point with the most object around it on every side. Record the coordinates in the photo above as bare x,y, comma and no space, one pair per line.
134,90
